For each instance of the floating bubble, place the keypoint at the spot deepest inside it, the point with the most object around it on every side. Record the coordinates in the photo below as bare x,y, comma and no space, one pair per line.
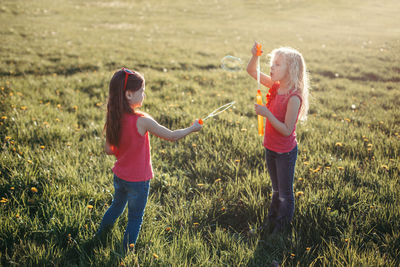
231,63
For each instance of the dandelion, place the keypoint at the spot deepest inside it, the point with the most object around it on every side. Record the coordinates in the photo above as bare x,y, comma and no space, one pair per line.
292,255
223,209
75,108
301,179
243,130
237,161
327,167
340,168
8,138
339,144
371,207
17,216
194,145
90,207
131,246
328,209
196,224
217,180
346,240
57,120
99,104
306,163
317,169
3,200
34,189
3,117
41,147
23,107
29,161
12,188
385,167
200,185
155,255
308,248
168,229
347,119
299,193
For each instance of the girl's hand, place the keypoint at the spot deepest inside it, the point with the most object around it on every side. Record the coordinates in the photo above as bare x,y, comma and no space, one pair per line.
254,49
196,126
261,110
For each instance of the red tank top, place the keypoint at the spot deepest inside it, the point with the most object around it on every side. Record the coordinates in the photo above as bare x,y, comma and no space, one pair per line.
273,140
133,153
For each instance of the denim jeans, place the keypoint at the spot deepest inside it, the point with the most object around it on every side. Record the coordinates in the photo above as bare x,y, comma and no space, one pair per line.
133,193
281,170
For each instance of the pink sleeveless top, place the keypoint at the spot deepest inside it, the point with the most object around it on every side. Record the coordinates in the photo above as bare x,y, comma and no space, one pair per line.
133,153
273,140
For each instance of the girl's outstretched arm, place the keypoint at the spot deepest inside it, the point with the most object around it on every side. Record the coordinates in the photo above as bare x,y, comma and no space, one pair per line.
252,69
148,124
292,110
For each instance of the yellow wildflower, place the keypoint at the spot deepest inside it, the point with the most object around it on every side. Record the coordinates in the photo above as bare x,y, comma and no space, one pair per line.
34,189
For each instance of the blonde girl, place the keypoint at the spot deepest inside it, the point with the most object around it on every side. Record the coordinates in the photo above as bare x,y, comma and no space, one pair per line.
287,101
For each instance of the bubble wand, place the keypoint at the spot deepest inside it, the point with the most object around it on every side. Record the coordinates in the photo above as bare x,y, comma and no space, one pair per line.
217,111
259,97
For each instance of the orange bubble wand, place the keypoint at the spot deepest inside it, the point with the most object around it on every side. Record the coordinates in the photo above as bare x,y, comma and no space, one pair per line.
259,97
217,111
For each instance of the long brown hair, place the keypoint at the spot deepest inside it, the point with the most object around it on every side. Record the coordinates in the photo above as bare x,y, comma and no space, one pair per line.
118,104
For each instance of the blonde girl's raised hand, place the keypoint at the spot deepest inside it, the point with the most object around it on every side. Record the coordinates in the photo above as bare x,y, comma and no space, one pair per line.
252,68
148,124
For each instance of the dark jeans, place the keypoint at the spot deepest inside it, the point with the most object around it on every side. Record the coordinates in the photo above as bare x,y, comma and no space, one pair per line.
133,193
281,170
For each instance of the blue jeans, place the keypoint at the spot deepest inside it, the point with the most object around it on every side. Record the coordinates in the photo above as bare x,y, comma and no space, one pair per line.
133,193
281,170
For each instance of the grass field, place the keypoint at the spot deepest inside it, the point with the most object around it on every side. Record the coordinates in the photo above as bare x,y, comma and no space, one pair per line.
211,190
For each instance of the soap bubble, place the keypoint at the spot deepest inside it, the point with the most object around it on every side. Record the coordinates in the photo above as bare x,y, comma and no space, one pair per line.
231,63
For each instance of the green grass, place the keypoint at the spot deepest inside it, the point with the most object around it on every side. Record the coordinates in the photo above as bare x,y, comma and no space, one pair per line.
210,189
